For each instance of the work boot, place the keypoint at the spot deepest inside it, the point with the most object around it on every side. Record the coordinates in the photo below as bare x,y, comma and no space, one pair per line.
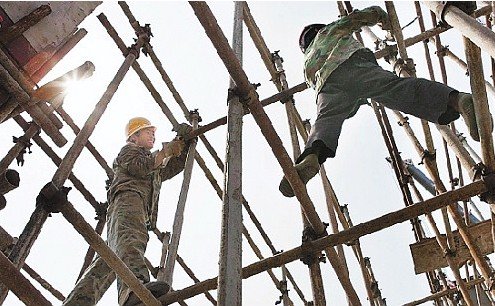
306,169
157,288
466,109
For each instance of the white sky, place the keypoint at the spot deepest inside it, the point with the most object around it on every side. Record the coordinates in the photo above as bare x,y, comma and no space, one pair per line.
359,174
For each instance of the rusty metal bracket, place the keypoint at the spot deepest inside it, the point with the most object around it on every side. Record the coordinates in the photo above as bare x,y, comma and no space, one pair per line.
404,122
51,198
308,236
406,65
26,148
489,180
194,114
101,211
427,155
283,290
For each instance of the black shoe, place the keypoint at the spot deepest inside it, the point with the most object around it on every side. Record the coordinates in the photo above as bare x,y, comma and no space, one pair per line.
157,288
306,169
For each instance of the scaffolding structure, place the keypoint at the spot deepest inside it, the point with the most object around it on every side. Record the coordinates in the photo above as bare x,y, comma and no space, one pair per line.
463,250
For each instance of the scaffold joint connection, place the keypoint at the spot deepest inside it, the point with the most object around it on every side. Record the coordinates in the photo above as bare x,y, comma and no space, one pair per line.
51,198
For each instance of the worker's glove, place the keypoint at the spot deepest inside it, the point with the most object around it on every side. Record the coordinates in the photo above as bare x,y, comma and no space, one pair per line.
182,129
173,148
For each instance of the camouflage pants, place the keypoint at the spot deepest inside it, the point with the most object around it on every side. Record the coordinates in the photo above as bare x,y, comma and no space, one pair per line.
359,78
127,237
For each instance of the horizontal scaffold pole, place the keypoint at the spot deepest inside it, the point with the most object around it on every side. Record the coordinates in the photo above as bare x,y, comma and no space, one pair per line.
344,236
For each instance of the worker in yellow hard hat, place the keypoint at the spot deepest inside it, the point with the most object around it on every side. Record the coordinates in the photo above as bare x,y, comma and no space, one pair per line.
132,211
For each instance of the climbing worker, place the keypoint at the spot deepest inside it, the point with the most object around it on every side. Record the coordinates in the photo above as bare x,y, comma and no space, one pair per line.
132,211
344,74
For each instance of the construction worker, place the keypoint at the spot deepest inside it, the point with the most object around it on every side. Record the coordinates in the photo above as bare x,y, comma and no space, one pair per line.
132,211
344,74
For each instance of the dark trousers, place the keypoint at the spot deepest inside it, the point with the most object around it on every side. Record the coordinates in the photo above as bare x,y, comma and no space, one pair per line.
359,78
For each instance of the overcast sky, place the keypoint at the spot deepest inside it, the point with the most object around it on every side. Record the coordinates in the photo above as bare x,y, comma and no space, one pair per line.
359,174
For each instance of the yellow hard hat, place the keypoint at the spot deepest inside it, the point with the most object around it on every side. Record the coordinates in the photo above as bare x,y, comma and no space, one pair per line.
137,124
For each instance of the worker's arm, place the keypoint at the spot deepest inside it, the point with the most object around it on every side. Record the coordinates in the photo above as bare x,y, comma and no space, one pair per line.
366,17
175,164
169,150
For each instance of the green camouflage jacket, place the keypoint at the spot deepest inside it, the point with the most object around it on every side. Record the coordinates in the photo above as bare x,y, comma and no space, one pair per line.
133,171
334,44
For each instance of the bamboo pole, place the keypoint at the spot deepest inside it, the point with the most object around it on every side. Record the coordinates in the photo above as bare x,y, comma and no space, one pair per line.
54,89
7,240
473,54
18,283
22,97
230,261
283,95
58,55
57,160
90,253
467,25
449,54
317,286
442,294
18,147
351,234
181,206
91,148
428,34
82,137
210,25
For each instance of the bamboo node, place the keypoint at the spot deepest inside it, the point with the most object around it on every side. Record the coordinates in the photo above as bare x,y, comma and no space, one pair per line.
51,198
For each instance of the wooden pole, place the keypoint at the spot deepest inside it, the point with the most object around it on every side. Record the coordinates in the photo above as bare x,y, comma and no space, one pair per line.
181,206
18,147
58,55
467,25
18,283
22,97
229,276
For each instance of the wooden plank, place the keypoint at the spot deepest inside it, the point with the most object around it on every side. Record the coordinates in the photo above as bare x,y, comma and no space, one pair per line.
427,255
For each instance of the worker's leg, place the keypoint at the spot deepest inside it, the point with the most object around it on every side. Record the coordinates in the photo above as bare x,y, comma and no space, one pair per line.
333,106
92,285
422,98
127,236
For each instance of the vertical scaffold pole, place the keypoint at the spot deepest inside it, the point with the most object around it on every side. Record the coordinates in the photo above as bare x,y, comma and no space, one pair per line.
229,276
181,206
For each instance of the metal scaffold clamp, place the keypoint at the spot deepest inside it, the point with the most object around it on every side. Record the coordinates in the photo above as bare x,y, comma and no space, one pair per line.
427,155
404,65
489,179
51,198
309,235
26,148
101,211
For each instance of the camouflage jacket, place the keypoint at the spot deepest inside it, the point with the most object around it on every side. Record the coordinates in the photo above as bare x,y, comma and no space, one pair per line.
334,44
133,171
